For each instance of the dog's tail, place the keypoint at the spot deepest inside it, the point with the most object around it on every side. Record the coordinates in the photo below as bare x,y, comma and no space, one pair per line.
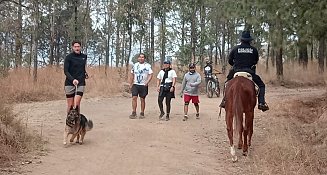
89,125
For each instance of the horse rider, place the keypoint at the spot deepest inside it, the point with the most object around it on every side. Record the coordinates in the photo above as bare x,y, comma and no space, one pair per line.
244,57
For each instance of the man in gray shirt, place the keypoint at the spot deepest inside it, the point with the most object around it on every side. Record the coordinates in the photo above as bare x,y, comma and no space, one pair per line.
190,88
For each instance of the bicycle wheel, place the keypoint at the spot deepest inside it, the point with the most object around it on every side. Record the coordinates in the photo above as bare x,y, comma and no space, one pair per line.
209,89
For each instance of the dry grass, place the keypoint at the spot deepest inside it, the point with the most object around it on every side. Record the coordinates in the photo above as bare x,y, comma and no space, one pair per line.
297,140
15,139
18,86
294,75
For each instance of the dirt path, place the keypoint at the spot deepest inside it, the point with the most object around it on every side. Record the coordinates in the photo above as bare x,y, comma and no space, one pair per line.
118,145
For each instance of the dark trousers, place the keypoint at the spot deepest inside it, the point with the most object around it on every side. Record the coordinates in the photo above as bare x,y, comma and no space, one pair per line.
168,103
168,95
257,80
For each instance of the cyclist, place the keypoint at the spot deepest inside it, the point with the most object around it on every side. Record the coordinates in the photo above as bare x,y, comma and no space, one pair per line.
208,71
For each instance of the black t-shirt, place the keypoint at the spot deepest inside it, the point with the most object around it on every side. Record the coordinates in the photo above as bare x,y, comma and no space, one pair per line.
74,68
243,56
207,69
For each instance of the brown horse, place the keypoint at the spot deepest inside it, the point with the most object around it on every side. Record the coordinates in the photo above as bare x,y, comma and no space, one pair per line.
240,98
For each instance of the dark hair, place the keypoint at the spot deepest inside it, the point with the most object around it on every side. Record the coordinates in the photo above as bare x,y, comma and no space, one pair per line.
143,55
191,65
76,41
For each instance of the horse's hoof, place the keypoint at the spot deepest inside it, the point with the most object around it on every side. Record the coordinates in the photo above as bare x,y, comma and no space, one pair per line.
81,143
245,153
234,159
77,142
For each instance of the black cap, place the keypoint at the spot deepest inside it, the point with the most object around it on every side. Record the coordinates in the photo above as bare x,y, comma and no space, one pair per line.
167,62
209,62
246,36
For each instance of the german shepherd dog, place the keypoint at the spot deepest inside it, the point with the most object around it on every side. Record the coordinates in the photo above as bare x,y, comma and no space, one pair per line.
77,125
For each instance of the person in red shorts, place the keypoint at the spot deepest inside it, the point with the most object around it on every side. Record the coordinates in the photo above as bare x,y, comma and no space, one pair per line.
190,89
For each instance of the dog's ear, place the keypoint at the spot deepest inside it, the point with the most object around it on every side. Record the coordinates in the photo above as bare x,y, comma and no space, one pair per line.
71,107
76,108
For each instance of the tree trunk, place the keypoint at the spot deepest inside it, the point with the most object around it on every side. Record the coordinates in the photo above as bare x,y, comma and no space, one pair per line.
117,44
279,63
311,50
109,25
193,32
223,42
216,41
76,36
210,51
152,36
31,55
66,45
18,39
303,53
202,35
163,38
86,27
183,32
57,49
130,25
272,46
6,55
141,40
321,54
279,51
112,51
52,35
267,58
36,37
123,46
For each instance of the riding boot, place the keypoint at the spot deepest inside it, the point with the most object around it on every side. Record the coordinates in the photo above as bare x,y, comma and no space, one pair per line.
261,98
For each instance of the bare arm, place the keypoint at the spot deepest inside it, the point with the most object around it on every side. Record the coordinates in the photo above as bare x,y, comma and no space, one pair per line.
149,79
158,82
174,81
172,89
131,79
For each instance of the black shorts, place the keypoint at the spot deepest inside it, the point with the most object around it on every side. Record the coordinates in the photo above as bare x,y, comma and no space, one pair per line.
139,90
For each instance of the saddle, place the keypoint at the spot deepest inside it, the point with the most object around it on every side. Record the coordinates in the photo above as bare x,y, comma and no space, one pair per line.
248,76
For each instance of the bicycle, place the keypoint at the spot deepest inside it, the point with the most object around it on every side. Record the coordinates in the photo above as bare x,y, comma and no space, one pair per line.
213,85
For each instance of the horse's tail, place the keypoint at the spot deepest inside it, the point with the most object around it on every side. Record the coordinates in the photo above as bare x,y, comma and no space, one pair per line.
238,111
